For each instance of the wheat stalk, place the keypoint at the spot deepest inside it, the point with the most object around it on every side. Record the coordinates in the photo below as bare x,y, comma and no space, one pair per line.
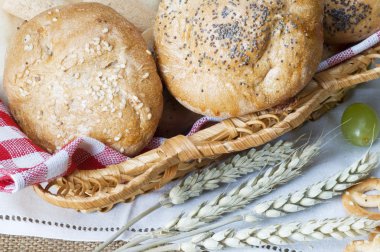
281,235
326,189
212,177
319,192
227,171
337,228
239,197
245,193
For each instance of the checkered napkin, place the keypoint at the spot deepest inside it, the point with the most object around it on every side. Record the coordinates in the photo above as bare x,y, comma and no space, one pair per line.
22,163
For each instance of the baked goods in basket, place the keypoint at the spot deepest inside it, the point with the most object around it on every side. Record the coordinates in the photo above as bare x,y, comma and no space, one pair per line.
348,21
83,70
228,58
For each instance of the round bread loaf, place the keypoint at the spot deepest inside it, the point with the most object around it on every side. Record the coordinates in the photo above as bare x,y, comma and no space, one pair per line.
83,70
348,21
227,58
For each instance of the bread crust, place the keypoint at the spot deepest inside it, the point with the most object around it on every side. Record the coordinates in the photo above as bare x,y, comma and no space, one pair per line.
227,58
83,70
349,21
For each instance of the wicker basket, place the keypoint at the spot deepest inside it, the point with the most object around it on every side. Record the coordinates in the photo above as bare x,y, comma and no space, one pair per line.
100,190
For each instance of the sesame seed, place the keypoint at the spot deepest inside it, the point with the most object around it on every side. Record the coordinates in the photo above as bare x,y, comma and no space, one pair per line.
28,47
146,75
105,30
49,12
55,19
351,203
122,150
96,40
27,38
57,10
148,52
149,117
117,138
139,106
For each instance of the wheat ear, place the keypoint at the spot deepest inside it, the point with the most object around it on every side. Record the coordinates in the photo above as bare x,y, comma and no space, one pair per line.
228,171
212,177
286,234
356,172
245,193
319,192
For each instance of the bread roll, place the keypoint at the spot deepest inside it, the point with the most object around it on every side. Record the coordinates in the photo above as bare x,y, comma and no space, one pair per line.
83,70
227,58
348,21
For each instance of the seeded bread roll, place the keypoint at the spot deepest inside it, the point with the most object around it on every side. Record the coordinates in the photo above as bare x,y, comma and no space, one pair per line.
227,58
83,70
349,21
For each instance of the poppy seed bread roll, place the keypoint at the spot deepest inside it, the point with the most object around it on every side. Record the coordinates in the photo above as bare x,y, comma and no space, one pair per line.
227,58
83,70
349,21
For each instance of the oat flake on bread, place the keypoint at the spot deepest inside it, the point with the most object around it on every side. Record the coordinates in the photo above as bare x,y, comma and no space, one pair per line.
83,70
228,58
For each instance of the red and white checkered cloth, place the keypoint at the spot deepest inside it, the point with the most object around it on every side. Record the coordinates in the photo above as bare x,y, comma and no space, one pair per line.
22,163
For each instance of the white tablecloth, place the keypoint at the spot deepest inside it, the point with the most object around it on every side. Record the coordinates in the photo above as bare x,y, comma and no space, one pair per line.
26,214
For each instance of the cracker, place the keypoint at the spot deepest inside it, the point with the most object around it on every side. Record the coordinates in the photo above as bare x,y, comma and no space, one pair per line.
355,200
364,246
27,9
136,13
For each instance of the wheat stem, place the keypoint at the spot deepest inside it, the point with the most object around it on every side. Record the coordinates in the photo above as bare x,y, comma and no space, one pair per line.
181,236
125,227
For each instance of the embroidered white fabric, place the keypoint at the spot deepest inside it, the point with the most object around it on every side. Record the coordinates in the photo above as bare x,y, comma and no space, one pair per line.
25,213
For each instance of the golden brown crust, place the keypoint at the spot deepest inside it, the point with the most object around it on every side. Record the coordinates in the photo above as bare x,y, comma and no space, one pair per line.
355,200
228,58
364,246
348,21
83,70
